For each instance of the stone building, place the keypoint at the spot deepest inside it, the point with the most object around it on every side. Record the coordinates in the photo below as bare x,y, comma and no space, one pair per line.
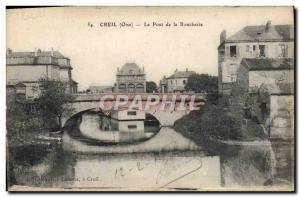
163,85
130,79
263,41
268,88
74,86
176,82
28,67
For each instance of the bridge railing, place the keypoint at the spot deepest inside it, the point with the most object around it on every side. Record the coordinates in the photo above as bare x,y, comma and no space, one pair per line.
144,96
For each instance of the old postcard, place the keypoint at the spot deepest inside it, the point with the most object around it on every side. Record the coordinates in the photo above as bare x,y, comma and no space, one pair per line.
150,99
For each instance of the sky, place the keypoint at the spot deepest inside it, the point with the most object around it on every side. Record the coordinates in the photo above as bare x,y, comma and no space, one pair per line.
96,52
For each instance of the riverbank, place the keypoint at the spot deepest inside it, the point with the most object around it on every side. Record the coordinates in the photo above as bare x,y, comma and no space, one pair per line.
28,156
27,161
218,123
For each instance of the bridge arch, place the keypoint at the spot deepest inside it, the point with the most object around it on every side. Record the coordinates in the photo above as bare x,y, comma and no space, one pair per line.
89,102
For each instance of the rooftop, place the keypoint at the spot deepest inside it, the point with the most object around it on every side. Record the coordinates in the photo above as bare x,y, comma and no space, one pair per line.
130,69
266,32
281,88
38,57
268,64
98,87
38,53
182,74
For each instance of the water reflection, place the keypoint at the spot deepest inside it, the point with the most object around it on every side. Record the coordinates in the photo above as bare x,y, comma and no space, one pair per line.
98,128
180,170
165,159
252,166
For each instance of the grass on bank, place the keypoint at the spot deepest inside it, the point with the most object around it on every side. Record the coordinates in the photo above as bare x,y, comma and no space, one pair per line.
218,120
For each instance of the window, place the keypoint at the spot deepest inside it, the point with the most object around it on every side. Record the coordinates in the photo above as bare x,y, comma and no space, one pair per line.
247,48
232,51
176,82
283,50
233,72
20,90
132,126
131,113
262,52
122,86
139,85
131,85
254,47
184,82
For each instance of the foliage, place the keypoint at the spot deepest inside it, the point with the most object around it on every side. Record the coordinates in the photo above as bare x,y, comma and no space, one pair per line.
21,123
15,121
150,86
202,83
213,121
54,101
217,122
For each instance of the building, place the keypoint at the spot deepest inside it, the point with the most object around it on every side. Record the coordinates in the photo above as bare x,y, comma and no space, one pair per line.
93,89
128,115
176,82
263,41
29,67
163,85
74,86
11,92
268,86
130,79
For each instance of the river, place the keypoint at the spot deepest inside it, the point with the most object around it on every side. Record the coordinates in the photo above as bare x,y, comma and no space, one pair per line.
100,153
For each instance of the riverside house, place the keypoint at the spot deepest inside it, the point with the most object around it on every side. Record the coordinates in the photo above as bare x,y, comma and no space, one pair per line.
27,68
268,89
260,41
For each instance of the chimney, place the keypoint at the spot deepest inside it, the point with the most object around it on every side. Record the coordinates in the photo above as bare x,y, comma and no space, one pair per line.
268,25
37,52
118,69
143,69
8,51
52,52
186,70
176,70
222,36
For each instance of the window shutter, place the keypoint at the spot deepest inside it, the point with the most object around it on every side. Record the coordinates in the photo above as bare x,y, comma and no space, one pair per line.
237,51
267,51
227,51
277,48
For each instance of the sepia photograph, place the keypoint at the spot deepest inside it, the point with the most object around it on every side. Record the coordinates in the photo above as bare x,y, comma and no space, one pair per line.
150,99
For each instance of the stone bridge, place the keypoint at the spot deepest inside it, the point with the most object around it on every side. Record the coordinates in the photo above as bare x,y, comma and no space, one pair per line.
166,117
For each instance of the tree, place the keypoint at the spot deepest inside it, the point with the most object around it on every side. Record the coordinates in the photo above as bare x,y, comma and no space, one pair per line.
202,83
54,102
150,86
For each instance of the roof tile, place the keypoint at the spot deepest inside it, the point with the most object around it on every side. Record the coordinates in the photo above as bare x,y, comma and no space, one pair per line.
251,33
268,63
